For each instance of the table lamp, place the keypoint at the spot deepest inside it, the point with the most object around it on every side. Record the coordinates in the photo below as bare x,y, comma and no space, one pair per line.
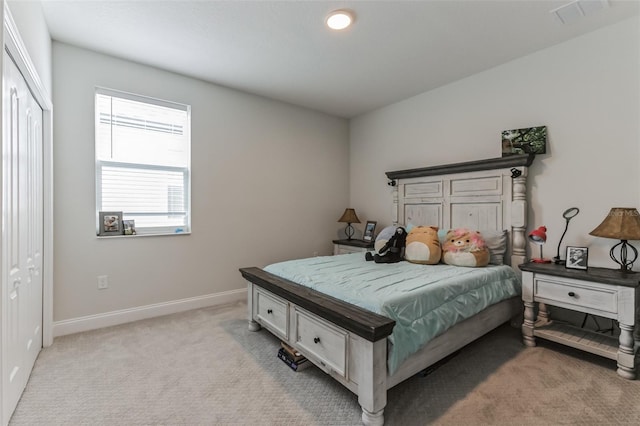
568,214
539,236
349,216
622,223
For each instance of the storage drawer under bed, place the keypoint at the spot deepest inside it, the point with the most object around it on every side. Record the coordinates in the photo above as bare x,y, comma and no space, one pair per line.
320,341
271,312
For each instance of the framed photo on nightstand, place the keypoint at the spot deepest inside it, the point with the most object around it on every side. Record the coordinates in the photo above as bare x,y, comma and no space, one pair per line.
369,230
577,257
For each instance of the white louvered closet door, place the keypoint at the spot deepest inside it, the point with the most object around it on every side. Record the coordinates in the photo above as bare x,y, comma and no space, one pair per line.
22,236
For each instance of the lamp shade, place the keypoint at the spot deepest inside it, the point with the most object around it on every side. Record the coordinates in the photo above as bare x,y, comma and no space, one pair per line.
538,235
622,223
349,216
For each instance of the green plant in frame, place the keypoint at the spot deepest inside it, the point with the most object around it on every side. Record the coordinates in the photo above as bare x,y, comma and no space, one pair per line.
532,140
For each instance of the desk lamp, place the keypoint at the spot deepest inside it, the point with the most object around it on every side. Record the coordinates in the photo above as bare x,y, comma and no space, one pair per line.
539,236
568,214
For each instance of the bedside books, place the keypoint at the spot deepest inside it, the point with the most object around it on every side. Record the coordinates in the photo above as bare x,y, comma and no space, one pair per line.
294,359
291,352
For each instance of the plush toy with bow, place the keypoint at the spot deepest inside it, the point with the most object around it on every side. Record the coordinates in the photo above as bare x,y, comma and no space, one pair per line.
463,247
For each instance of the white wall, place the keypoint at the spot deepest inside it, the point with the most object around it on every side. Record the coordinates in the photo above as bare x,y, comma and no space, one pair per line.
586,91
31,24
269,182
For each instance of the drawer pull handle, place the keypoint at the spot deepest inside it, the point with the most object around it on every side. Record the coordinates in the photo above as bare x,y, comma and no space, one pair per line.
572,294
316,340
269,311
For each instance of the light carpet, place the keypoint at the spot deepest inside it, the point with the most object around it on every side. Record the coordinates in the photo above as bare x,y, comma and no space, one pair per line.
204,367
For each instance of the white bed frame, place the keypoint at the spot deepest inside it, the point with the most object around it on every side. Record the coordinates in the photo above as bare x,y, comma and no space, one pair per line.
348,342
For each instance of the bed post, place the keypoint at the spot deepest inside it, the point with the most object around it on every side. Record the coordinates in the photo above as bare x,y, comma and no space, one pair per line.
394,204
253,325
518,217
372,380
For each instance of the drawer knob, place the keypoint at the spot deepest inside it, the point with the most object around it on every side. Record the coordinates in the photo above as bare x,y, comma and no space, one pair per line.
316,340
571,294
269,311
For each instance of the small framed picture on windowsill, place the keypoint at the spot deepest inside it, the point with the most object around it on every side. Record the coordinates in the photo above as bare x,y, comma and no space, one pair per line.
129,227
577,257
110,223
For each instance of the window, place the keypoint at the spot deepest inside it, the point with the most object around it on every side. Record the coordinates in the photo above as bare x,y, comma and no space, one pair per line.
143,161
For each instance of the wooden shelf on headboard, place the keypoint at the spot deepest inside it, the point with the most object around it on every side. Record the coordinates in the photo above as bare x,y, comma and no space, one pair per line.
469,166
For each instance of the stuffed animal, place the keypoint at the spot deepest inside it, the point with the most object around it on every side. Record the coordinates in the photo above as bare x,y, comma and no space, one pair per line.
423,245
392,250
383,237
463,247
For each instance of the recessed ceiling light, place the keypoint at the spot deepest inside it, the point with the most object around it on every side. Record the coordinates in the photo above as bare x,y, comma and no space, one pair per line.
340,19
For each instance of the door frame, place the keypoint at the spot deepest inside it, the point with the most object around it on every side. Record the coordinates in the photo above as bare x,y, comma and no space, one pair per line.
13,43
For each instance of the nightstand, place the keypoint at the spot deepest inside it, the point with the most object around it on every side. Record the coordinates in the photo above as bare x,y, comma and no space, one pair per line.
351,246
608,293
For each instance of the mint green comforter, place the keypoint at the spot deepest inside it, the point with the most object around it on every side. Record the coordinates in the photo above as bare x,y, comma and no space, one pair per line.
424,300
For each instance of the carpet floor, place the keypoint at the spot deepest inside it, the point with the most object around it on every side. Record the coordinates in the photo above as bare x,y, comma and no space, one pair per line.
204,367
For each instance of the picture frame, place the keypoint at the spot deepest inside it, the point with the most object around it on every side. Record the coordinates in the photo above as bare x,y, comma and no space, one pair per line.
530,140
129,227
110,223
577,257
369,230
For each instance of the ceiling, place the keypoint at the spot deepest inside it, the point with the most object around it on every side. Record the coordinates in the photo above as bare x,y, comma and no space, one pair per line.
282,49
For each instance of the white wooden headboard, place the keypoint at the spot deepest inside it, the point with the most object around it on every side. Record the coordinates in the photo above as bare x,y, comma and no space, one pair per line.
483,195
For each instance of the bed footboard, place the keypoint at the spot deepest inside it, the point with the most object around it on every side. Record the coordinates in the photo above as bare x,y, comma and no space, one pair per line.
366,324
345,341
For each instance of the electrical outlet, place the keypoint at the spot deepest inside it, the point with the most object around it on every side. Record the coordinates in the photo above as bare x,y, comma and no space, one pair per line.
103,282
315,254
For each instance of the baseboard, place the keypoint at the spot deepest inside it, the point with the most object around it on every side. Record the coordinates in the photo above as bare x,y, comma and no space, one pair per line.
107,319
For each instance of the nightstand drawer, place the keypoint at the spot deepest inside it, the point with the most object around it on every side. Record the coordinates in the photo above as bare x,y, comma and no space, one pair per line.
323,343
340,249
272,312
577,294
351,246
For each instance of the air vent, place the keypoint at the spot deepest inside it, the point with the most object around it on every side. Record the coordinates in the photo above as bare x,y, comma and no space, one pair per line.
577,9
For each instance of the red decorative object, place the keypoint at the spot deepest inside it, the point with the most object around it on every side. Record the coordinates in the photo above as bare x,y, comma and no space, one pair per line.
539,236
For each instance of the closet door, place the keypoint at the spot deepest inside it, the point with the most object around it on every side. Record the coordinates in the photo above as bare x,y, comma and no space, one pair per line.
33,232
22,236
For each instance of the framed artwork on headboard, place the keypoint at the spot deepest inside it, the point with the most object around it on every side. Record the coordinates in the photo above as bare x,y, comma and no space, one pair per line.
369,230
532,140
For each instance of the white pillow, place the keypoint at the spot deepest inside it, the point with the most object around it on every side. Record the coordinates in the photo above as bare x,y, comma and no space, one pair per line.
497,244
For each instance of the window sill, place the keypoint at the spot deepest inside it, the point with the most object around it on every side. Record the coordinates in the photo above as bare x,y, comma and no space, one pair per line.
107,237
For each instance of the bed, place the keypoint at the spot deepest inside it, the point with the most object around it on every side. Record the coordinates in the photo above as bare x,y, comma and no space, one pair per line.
353,343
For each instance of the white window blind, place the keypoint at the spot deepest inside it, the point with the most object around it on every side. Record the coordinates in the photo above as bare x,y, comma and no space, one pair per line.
143,161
